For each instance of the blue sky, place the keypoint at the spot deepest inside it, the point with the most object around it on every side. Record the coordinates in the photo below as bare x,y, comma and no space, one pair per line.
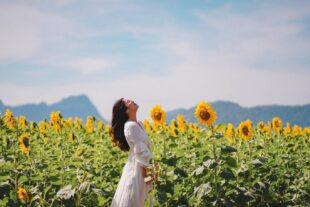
175,53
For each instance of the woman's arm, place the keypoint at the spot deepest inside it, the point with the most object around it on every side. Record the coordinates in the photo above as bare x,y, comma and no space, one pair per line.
141,150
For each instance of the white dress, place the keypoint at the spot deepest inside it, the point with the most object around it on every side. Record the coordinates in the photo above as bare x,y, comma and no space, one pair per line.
132,191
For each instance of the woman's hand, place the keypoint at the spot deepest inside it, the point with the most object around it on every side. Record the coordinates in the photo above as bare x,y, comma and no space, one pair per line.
150,174
147,175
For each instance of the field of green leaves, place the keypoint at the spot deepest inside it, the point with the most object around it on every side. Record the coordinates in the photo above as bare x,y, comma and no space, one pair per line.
65,162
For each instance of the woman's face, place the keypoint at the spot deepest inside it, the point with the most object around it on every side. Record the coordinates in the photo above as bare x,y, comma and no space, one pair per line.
132,107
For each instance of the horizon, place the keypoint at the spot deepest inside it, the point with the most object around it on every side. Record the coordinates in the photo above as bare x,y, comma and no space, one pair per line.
146,116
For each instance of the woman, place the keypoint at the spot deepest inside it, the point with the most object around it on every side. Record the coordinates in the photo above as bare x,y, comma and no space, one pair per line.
130,135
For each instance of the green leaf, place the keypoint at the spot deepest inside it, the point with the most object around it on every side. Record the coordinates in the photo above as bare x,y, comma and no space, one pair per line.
202,190
4,177
210,163
231,161
199,170
227,174
257,163
37,177
22,179
7,166
228,149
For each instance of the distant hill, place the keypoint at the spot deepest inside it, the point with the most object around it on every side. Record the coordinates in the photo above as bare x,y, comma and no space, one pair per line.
234,113
80,106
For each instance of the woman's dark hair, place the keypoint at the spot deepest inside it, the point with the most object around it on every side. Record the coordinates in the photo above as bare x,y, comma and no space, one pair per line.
119,117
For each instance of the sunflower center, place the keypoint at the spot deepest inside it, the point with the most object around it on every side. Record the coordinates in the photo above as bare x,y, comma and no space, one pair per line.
204,115
157,116
277,124
26,142
245,131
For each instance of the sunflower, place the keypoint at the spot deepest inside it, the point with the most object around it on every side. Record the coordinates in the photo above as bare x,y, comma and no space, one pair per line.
195,129
100,125
147,125
9,119
23,122
71,137
237,132
23,195
297,131
24,143
276,124
42,127
307,130
33,126
267,130
55,117
57,128
77,122
172,128
8,115
89,124
181,123
230,133
69,121
205,113
261,126
158,114
55,120
287,129
66,123
107,128
245,130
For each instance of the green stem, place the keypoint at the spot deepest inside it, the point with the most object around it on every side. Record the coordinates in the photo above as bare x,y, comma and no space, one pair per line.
165,159
215,169
250,159
237,163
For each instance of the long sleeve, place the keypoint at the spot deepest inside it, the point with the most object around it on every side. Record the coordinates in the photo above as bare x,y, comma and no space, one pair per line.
140,149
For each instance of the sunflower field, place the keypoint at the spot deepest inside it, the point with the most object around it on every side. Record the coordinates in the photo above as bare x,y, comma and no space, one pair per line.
66,162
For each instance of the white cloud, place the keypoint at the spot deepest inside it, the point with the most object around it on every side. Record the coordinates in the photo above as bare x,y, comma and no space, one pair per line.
90,65
19,39
268,33
180,88
215,60
26,32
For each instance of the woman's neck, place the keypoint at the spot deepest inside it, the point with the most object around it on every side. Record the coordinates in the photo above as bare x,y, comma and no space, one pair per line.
134,118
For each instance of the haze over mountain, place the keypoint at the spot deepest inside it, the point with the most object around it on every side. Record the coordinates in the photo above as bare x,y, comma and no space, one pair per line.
234,113
82,107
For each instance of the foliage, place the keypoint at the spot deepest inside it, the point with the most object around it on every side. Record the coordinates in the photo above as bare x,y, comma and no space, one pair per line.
75,164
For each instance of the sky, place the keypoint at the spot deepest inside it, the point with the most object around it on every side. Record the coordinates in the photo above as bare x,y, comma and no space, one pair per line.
168,52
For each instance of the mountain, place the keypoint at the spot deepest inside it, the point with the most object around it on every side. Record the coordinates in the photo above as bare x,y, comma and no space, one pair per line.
79,105
234,113
82,107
